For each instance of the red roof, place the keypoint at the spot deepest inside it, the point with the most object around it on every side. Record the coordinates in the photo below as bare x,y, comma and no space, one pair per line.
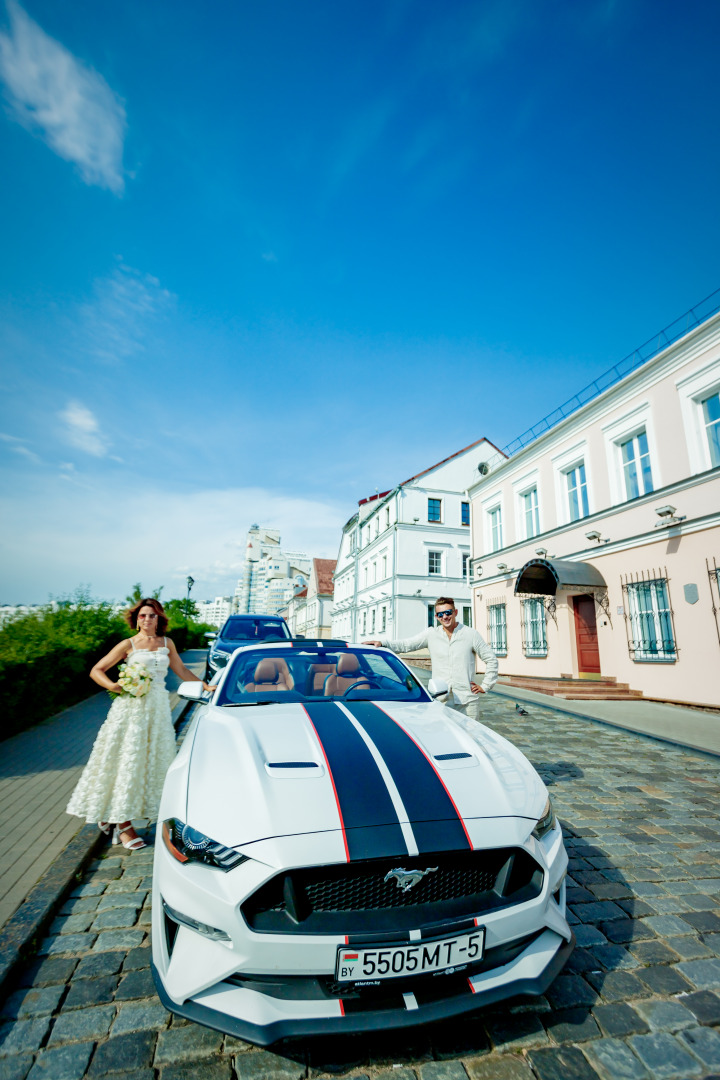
324,570
372,498
456,454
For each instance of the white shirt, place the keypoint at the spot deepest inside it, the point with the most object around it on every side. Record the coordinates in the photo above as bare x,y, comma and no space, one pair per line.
453,658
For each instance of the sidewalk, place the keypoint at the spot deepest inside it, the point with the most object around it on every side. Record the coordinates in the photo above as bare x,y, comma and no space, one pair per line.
38,771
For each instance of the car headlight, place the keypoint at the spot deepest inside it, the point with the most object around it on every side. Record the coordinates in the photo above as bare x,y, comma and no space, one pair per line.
546,823
190,845
219,657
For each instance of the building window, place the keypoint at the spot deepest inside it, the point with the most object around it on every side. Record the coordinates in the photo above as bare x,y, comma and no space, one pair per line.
377,526
364,629
636,466
434,562
577,492
387,517
495,519
372,621
711,418
497,628
533,628
649,620
467,615
464,513
384,566
365,574
374,571
431,614
531,513
465,566
434,509
383,618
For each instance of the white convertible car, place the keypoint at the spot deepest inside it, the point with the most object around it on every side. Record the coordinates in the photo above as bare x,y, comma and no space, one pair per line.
339,852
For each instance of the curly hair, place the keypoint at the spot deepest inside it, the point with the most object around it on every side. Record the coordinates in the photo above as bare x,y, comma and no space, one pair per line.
131,615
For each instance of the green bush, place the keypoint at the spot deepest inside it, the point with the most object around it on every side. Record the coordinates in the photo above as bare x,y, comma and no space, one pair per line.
46,656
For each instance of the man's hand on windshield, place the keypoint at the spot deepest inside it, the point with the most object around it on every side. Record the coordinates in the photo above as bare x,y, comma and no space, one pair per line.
378,643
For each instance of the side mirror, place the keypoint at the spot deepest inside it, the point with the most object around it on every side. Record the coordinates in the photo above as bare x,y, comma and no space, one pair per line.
191,691
436,688
210,635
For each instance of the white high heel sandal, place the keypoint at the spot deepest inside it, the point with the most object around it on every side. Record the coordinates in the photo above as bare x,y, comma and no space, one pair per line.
132,845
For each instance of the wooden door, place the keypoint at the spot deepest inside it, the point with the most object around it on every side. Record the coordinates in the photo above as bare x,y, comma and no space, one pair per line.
586,635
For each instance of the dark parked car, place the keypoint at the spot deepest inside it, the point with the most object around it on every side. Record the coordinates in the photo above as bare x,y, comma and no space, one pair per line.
241,630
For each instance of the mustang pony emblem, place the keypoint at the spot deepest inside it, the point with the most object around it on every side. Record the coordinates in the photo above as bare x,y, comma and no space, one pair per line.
407,878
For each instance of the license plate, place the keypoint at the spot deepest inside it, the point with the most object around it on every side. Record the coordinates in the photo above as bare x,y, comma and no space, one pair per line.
422,958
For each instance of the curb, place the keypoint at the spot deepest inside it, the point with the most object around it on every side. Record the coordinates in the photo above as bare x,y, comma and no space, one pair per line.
18,935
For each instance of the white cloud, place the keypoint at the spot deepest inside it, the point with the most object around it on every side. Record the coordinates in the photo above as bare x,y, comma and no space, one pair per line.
70,106
17,446
82,429
113,326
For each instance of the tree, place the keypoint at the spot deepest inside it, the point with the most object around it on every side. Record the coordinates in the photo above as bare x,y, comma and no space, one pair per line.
137,594
175,611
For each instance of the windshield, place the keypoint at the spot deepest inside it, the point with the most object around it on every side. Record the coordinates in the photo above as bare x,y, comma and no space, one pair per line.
254,630
309,673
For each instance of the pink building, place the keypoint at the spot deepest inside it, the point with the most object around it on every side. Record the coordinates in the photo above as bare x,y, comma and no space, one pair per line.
596,546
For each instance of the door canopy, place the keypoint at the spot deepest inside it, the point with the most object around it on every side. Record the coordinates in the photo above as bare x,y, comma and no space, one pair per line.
544,577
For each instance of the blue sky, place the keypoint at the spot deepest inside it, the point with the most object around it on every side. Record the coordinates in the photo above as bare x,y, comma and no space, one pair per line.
262,259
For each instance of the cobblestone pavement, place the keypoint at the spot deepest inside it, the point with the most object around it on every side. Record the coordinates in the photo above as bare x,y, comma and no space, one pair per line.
640,997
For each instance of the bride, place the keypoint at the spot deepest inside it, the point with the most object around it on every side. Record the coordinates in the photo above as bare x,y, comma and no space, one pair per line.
133,750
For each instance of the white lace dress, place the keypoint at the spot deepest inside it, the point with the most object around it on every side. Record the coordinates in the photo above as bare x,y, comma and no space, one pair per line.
133,750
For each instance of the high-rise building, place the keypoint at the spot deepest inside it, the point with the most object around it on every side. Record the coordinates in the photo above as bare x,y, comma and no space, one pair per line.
269,574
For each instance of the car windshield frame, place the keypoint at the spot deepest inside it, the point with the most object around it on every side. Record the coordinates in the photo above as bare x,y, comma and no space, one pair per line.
303,676
255,622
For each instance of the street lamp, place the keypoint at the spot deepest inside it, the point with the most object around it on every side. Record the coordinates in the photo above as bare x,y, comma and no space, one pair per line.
190,583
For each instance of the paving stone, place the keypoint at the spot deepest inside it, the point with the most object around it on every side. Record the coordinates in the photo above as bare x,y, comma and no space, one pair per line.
563,1063
704,974
23,1036
80,905
498,1067
572,1026
689,948
600,912
589,935
613,1060
611,957
262,1065
82,1025
56,970
664,1056
66,943
140,1017
40,1001
663,979
124,1052
87,992
388,1074
136,984
515,1032
570,990
623,930
581,960
616,985
16,1067
667,925
653,952
137,958
664,1015
116,918
619,1019
110,940
71,924
89,888
704,1043
62,1062
114,902
186,1043
97,964
441,1070
704,1005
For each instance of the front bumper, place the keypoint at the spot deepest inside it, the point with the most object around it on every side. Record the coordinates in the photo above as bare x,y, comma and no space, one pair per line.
263,1019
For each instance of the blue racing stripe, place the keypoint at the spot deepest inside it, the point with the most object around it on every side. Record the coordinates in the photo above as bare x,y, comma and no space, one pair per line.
372,828
434,817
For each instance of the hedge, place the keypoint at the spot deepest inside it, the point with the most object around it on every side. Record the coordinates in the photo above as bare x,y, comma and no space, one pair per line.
46,657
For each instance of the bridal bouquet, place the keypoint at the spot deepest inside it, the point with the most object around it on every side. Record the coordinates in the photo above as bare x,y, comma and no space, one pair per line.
135,680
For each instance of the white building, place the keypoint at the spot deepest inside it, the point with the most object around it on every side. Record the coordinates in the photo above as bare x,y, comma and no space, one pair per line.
404,548
270,575
216,611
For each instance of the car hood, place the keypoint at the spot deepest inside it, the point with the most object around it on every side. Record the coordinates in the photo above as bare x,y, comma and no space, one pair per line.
386,775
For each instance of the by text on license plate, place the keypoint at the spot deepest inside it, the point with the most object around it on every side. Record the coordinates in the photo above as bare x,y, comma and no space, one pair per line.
416,958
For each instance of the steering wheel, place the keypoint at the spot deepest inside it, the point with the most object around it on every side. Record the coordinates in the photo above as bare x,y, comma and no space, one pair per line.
362,684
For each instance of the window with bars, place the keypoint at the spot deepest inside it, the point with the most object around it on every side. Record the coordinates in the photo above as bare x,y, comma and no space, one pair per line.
497,628
711,418
651,635
434,509
533,627
531,513
464,513
578,506
637,473
434,562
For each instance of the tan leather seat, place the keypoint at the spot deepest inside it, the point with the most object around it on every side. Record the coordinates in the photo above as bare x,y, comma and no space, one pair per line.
270,676
316,676
346,674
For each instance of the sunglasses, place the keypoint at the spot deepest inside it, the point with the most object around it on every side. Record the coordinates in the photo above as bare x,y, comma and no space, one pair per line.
444,614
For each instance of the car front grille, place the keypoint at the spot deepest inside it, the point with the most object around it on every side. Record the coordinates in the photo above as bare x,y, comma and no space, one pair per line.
361,897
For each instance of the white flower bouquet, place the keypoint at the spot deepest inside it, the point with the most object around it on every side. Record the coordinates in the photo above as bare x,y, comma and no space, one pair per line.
135,680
